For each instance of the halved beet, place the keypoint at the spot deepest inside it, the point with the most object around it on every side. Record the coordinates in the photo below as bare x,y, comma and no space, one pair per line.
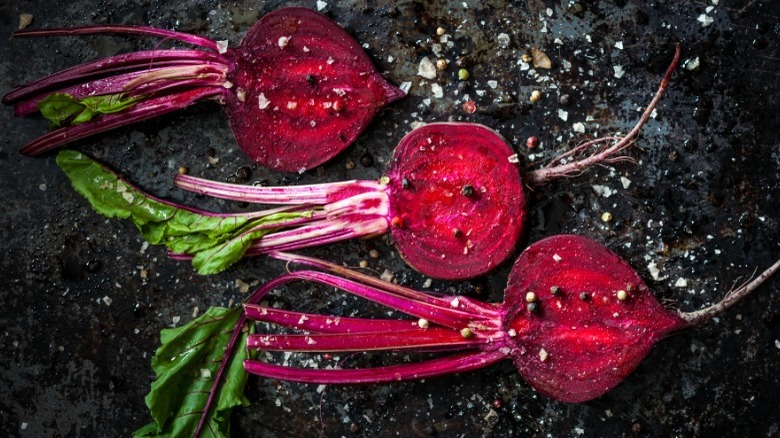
310,90
298,88
575,320
594,318
456,202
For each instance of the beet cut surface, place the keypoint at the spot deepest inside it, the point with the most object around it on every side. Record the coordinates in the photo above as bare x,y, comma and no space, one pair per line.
457,202
310,90
590,339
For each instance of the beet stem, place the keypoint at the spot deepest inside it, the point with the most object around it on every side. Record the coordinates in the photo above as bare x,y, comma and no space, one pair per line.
547,174
484,310
102,68
120,29
318,194
395,373
446,314
731,298
178,74
142,111
430,339
322,233
323,324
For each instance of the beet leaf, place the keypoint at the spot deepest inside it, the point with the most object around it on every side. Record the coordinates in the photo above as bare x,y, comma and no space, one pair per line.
215,240
62,109
189,368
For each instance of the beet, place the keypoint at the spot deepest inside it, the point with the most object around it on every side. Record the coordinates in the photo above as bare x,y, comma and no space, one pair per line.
590,337
456,203
451,199
575,320
298,89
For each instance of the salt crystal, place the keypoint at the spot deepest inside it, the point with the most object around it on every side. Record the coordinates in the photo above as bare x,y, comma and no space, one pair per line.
654,271
603,190
426,68
619,72
503,40
563,115
692,64
438,92
579,127
705,20
321,5
222,46
263,101
386,275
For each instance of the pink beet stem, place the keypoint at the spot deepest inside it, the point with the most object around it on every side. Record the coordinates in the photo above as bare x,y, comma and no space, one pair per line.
418,370
547,174
142,111
485,310
324,324
318,234
120,29
318,194
178,74
445,315
116,85
431,338
732,297
128,62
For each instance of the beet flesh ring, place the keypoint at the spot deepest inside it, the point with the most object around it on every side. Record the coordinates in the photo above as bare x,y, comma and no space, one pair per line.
582,339
456,202
303,90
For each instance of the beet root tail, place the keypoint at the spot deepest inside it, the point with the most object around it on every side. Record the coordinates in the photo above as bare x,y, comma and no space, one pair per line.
555,169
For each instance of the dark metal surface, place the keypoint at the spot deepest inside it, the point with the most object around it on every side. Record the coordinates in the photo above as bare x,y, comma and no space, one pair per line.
84,299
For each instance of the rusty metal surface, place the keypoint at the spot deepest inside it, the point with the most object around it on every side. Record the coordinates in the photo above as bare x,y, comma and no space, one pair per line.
84,299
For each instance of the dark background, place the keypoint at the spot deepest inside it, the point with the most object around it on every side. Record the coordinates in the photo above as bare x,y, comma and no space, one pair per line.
702,205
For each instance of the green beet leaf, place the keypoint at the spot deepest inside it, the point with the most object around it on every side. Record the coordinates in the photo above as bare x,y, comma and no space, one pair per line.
62,109
215,240
186,365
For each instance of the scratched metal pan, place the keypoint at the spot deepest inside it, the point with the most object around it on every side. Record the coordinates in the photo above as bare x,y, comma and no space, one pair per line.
84,299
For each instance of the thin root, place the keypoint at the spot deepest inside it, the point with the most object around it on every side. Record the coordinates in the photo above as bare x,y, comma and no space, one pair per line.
549,173
731,298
